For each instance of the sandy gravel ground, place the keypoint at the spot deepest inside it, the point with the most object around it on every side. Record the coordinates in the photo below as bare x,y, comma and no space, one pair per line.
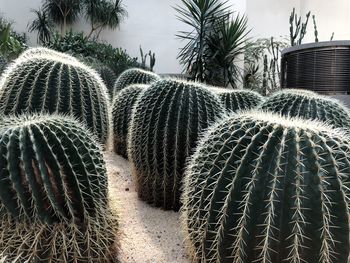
148,234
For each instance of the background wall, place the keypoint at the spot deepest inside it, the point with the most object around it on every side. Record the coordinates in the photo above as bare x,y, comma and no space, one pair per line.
153,25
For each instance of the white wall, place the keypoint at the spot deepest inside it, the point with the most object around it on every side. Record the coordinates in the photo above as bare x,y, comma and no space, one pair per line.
19,12
271,18
331,16
152,23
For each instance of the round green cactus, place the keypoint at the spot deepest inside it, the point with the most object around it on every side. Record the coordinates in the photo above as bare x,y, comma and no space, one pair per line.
266,188
109,78
122,107
134,76
46,82
3,64
53,192
309,105
238,99
166,122
34,51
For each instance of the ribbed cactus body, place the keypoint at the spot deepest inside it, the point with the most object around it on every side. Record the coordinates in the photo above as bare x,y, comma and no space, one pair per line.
309,105
3,64
46,82
166,122
35,51
264,188
109,77
122,107
134,76
53,191
238,99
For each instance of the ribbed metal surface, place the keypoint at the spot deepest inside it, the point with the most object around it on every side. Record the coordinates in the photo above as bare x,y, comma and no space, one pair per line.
318,67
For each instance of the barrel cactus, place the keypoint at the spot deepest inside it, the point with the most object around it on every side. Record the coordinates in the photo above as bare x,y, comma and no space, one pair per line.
309,105
53,197
46,82
166,122
134,76
3,64
266,188
30,52
122,107
109,78
238,99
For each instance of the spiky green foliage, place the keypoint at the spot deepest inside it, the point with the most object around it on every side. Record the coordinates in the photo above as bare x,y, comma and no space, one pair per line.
134,76
44,81
108,77
238,99
122,107
166,122
265,188
53,192
309,105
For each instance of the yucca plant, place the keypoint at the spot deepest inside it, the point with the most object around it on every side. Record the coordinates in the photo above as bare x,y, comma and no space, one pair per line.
47,81
201,16
225,46
43,25
63,12
167,120
53,199
103,14
266,188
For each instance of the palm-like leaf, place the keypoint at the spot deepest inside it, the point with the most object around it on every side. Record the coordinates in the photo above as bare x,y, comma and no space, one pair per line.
104,13
224,46
43,25
62,12
201,16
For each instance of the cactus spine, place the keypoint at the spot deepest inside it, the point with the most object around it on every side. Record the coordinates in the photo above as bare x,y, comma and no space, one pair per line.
308,105
167,119
41,81
53,192
108,76
237,100
122,107
265,188
134,76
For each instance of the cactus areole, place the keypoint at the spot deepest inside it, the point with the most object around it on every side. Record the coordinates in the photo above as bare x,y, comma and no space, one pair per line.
265,188
47,82
167,120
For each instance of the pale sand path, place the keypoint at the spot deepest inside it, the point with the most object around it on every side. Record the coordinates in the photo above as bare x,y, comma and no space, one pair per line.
148,234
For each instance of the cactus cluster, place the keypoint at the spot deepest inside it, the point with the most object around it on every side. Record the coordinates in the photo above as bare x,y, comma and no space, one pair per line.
42,80
266,188
53,192
109,78
122,107
134,76
308,105
166,122
238,99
